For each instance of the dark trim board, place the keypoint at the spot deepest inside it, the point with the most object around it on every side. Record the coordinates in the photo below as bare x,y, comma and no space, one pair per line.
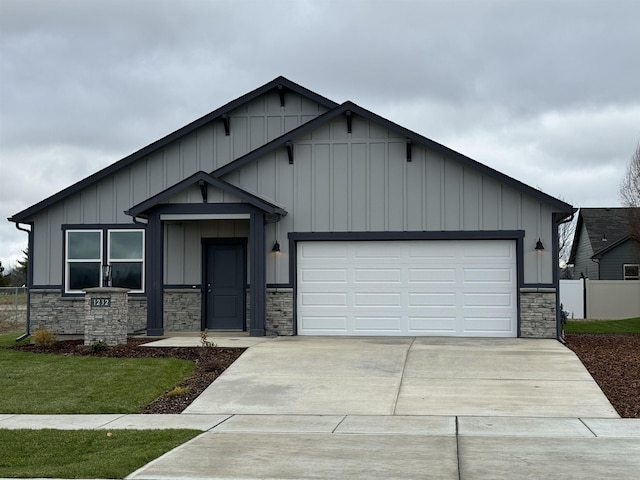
295,237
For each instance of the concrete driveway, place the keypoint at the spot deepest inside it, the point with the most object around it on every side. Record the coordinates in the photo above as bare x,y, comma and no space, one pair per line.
406,376
381,408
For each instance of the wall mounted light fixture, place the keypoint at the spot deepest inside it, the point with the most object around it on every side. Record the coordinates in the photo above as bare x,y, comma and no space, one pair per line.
539,246
276,247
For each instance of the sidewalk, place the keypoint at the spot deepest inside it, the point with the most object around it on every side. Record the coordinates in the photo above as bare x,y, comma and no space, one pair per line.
377,447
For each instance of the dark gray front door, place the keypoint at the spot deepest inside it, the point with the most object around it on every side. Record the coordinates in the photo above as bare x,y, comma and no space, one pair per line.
225,286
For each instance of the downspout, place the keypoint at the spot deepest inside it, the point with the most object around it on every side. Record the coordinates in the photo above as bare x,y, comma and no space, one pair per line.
27,332
556,273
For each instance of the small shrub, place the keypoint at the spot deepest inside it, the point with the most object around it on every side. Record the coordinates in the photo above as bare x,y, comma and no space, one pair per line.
178,391
44,338
99,346
204,341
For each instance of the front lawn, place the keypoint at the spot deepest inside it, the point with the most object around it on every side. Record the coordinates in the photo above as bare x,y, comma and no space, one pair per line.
626,326
35,383
83,453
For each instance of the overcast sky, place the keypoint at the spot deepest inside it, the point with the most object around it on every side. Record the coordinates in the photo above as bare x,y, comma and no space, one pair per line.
546,91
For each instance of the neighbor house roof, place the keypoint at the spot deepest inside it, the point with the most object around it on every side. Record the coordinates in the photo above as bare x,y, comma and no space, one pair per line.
280,83
604,226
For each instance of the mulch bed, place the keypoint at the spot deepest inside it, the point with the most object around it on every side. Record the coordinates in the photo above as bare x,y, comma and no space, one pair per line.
614,363
612,360
210,363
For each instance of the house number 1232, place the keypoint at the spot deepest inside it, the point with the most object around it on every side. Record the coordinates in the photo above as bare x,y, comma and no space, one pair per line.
100,302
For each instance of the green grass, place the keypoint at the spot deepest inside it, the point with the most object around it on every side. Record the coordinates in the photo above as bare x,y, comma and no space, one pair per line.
626,326
34,383
83,453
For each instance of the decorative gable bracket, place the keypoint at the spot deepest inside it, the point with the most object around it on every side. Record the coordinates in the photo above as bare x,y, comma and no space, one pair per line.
227,124
349,120
281,93
203,190
289,146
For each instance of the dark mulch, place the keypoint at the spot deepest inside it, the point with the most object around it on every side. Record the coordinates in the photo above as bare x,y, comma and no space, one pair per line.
614,363
210,363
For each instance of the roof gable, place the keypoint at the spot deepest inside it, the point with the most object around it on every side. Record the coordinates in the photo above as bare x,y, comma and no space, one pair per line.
280,84
349,109
203,179
614,245
604,228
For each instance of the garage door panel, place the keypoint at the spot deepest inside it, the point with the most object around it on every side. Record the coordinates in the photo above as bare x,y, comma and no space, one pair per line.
322,250
377,275
494,325
318,324
487,300
453,288
489,251
324,299
432,325
324,275
368,323
432,300
377,299
437,251
369,250
488,275
431,275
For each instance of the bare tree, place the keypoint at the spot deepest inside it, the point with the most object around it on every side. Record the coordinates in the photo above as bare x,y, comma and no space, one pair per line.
629,189
566,232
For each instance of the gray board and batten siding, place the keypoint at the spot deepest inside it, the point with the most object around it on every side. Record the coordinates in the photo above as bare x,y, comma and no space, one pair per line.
362,182
204,149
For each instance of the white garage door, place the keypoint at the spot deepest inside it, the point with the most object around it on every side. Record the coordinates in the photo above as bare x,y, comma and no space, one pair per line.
421,287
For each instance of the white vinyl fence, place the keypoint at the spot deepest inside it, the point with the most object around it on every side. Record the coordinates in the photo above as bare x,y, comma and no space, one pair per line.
604,299
572,298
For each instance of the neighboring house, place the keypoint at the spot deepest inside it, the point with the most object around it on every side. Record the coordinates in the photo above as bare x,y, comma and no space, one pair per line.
283,212
605,245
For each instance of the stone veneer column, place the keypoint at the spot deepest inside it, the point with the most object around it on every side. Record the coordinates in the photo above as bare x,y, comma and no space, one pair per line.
106,315
538,313
279,311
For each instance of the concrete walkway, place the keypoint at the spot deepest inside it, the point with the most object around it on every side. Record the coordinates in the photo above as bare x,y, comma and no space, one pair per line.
380,408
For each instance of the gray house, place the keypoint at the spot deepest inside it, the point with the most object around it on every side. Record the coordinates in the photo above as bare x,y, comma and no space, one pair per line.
283,212
606,246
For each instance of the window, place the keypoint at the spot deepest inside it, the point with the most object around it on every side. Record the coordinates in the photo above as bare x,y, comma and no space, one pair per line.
126,257
631,271
86,253
83,259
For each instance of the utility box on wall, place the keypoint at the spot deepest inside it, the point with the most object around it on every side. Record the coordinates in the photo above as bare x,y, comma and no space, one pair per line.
107,315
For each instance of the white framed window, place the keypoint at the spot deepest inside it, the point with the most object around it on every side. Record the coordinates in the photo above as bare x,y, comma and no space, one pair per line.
126,257
83,260
86,251
631,271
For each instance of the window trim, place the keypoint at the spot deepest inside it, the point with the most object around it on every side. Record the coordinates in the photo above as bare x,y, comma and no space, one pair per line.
630,277
105,240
